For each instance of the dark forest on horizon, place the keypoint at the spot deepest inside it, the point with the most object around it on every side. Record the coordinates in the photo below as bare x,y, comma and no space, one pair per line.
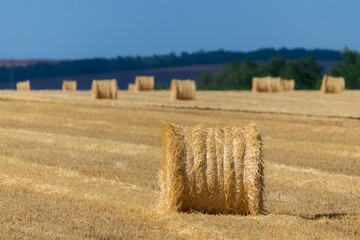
297,63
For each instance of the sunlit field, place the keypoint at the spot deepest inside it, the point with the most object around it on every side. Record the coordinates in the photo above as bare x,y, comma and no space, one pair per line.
76,168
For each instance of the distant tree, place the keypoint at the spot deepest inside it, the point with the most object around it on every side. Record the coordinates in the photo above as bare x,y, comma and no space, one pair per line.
4,74
275,66
349,68
160,86
235,78
238,75
305,71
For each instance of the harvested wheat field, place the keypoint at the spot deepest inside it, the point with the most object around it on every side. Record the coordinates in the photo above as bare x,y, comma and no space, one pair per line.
75,168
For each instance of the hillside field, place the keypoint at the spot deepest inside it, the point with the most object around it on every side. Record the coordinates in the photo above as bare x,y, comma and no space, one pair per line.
76,168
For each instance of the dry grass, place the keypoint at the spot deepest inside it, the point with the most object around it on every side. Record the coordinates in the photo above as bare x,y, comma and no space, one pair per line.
212,170
288,85
182,89
104,89
144,83
332,84
131,87
73,168
23,86
69,85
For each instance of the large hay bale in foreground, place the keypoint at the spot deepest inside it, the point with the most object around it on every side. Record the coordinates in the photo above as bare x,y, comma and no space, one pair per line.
131,87
212,170
69,85
182,89
23,86
266,84
331,84
104,89
288,85
144,83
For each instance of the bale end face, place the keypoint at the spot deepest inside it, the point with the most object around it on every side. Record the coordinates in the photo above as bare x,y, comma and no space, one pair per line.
212,170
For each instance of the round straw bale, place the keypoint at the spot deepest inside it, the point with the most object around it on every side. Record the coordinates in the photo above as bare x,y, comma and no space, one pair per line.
323,84
260,84
104,89
332,84
182,89
275,84
23,86
288,85
266,84
212,170
144,83
69,85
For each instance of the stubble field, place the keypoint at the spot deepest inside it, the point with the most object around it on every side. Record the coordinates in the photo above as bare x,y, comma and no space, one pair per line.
76,168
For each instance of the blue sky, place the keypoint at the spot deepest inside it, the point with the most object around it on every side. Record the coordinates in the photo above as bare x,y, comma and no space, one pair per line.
72,29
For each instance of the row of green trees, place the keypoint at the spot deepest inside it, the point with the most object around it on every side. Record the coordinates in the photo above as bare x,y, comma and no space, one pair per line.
103,65
349,68
304,70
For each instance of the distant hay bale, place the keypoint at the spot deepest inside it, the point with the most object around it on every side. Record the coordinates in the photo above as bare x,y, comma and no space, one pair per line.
104,89
288,85
23,86
144,83
323,84
260,84
182,89
69,85
266,84
212,170
275,84
131,87
331,84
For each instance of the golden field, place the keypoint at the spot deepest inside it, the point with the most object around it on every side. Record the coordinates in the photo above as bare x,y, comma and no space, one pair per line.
76,168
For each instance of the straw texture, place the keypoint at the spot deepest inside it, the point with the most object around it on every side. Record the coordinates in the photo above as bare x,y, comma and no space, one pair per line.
23,86
331,84
212,170
144,83
69,85
182,89
288,85
104,89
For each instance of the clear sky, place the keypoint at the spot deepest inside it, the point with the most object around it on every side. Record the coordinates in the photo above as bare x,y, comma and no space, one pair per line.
68,29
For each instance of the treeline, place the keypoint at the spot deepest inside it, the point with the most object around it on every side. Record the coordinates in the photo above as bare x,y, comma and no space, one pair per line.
305,71
349,68
103,65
